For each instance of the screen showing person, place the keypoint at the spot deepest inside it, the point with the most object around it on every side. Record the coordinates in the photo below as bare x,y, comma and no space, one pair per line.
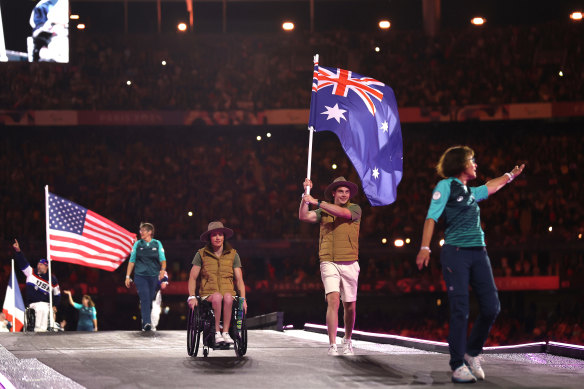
34,31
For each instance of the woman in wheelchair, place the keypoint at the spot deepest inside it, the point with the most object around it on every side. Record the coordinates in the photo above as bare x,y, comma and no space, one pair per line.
219,264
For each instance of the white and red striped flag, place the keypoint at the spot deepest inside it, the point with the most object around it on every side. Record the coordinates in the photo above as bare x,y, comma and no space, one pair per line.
80,236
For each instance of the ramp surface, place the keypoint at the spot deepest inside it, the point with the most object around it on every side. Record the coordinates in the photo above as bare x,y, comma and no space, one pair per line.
291,359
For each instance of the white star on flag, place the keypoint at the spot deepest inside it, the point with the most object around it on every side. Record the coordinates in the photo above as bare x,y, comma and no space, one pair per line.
384,126
334,113
375,173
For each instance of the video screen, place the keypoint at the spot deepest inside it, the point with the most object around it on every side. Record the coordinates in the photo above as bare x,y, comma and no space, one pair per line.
34,31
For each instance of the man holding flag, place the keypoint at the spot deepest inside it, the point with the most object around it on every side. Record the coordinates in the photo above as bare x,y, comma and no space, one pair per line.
362,112
37,288
338,252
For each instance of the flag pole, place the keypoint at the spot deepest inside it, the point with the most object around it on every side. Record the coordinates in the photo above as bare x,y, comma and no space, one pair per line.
311,130
14,285
51,322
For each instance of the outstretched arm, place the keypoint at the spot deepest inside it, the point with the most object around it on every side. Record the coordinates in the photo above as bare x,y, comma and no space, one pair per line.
495,184
68,293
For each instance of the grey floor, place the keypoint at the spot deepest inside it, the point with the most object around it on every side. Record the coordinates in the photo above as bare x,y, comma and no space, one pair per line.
292,359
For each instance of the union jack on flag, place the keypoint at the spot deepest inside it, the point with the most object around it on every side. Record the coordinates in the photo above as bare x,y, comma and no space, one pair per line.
363,113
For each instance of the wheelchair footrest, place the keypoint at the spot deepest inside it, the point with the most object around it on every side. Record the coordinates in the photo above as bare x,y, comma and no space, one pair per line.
221,346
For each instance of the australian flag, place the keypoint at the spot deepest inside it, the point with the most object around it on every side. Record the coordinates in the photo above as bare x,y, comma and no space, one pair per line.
363,113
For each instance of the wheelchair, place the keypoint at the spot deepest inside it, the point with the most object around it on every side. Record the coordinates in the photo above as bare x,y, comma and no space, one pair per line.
201,323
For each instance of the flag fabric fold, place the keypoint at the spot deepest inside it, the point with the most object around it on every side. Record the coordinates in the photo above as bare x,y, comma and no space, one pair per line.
80,236
13,306
362,112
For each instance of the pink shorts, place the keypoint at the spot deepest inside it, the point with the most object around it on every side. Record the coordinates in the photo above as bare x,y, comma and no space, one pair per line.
340,277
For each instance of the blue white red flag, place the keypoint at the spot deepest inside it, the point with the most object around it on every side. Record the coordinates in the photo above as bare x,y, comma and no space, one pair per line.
80,236
13,305
363,113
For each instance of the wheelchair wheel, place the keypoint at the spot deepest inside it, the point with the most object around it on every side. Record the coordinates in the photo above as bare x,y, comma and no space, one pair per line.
238,332
194,331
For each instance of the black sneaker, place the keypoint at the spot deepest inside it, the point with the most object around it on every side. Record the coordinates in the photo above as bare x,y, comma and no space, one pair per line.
147,327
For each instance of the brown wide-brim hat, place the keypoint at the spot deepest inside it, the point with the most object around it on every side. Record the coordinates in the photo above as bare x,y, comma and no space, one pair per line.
340,181
216,226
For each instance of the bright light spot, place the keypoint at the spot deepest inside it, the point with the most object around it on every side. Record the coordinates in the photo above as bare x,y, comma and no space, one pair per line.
269,135
441,243
580,236
81,26
438,302
259,137
384,240
561,74
384,24
576,16
398,243
181,27
550,228
334,166
190,213
408,240
163,63
128,82
288,26
377,49
478,21
133,317
74,17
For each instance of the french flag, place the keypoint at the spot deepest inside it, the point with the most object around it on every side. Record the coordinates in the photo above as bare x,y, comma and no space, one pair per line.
13,304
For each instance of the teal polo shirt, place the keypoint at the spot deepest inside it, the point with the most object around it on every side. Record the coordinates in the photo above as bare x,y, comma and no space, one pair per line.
147,257
459,205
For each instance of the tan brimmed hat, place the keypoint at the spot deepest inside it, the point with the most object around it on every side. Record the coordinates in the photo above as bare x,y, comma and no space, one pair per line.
340,181
216,226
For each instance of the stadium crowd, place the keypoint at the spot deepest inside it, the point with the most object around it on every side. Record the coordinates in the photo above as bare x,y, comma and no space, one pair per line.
488,65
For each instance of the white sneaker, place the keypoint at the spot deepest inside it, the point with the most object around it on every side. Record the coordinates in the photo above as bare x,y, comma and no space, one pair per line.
218,338
226,338
347,347
333,350
462,375
475,366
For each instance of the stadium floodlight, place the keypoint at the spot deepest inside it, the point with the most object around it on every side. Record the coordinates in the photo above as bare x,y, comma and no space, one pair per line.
287,26
182,27
576,16
384,24
478,21
399,243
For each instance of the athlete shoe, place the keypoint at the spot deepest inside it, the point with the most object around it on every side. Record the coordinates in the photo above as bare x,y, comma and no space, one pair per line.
218,338
462,375
333,350
347,347
475,366
226,338
147,327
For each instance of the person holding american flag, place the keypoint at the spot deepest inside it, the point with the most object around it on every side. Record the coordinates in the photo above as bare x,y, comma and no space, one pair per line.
37,288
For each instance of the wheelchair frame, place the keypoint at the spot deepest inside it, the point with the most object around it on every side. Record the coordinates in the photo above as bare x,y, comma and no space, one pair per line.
201,322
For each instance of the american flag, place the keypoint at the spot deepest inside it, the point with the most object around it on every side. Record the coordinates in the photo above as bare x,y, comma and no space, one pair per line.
80,236
363,113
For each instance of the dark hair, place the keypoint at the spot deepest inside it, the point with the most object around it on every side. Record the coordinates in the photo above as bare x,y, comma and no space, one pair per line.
454,161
